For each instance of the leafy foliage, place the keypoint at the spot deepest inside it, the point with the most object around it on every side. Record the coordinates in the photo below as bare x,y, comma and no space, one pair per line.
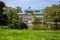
2,5
18,9
3,17
23,25
36,10
52,14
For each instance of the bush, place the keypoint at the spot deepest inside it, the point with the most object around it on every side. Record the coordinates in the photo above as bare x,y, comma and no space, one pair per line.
23,25
4,27
56,28
39,27
18,26
11,26
14,26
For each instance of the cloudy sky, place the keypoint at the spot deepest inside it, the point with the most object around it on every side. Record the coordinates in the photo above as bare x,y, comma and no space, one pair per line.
35,4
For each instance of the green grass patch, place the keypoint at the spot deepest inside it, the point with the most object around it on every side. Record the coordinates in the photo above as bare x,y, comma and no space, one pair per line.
29,35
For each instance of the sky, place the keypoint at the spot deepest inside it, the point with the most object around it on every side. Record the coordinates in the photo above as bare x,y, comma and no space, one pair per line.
34,4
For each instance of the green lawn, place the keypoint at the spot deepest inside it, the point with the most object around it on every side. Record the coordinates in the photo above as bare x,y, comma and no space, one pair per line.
29,35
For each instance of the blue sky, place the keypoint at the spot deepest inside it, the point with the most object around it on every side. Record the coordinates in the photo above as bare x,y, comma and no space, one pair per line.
35,4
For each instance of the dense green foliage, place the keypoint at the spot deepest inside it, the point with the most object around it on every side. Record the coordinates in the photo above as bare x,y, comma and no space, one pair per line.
13,16
20,25
36,10
29,35
19,9
9,16
3,17
23,25
2,5
52,14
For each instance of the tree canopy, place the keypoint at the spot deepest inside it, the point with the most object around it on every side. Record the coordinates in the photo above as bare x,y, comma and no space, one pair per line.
51,13
3,17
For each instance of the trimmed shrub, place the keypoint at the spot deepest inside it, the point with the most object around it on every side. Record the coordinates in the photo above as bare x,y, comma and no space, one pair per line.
23,25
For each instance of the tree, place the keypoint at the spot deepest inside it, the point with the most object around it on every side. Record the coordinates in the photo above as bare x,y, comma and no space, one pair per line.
2,5
36,10
13,16
51,14
18,9
3,17
25,11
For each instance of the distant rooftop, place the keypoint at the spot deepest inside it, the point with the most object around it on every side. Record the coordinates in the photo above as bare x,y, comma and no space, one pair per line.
33,13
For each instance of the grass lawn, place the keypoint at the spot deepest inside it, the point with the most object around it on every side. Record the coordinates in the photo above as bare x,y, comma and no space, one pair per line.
29,35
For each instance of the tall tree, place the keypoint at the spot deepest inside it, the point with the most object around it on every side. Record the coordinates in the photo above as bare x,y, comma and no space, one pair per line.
52,14
13,16
3,17
18,9
2,5
36,10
